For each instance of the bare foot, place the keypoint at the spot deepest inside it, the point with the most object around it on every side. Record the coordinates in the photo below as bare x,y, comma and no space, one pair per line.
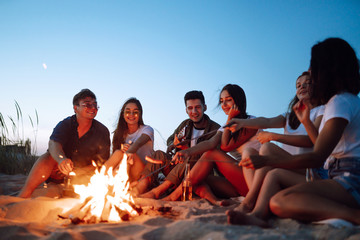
227,202
240,218
134,192
244,207
175,195
149,194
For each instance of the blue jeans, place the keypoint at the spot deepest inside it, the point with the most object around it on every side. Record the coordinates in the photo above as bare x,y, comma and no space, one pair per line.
320,173
346,171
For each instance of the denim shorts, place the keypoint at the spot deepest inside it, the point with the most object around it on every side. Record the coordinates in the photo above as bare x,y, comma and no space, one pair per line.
346,171
320,173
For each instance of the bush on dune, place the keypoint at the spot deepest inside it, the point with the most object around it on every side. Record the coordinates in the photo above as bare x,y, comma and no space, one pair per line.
16,154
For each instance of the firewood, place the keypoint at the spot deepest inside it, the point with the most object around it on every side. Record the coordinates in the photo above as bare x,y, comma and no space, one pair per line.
124,215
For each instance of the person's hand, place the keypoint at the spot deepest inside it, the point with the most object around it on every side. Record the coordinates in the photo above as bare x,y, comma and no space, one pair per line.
234,125
130,158
302,110
180,157
264,137
234,111
66,166
133,184
180,144
125,147
170,148
253,162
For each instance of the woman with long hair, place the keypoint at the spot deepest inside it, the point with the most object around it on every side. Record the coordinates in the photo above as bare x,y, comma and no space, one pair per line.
298,137
133,138
335,76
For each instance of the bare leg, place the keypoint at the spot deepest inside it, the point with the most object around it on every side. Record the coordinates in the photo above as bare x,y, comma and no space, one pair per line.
39,173
229,168
275,181
253,180
203,191
114,159
175,195
135,169
258,176
198,173
151,170
222,187
156,192
201,170
139,187
315,201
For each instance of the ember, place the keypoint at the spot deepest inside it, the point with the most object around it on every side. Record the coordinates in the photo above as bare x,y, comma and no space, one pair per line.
105,199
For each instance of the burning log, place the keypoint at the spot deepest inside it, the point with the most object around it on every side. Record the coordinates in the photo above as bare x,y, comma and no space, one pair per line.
125,216
105,199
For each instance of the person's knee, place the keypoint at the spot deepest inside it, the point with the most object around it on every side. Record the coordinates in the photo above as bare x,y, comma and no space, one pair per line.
266,148
273,175
46,159
211,152
278,204
248,152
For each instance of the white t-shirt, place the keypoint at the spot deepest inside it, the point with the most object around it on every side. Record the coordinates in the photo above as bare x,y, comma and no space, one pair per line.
252,143
346,106
148,148
196,133
314,113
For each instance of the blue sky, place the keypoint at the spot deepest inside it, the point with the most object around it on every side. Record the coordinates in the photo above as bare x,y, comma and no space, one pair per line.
156,51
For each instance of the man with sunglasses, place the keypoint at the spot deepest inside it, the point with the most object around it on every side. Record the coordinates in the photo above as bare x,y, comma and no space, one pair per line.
197,128
75,143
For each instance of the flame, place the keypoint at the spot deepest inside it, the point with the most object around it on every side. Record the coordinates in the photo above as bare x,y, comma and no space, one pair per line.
108,194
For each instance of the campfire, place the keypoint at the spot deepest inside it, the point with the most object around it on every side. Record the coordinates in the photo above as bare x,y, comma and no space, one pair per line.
105,199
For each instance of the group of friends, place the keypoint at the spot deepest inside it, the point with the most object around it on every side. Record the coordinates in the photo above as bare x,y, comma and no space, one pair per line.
314,174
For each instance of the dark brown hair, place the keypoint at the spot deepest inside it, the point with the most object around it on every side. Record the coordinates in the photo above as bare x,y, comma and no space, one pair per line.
294,122
334,69
84,93
122,128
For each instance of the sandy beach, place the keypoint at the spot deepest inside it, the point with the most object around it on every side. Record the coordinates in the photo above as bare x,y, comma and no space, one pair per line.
38,218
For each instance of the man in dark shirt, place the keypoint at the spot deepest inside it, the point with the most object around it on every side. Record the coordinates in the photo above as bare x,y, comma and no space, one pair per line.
75,142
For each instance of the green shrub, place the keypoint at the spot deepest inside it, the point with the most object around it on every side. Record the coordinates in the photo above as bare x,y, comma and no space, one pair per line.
13,160
16,154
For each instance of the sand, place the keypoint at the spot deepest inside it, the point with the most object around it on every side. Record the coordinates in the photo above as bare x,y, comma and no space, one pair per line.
38,218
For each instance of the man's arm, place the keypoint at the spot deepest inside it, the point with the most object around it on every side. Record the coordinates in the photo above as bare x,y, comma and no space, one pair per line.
198,148
171,138
56,151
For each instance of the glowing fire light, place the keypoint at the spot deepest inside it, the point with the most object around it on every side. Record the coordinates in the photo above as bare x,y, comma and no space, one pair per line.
107,194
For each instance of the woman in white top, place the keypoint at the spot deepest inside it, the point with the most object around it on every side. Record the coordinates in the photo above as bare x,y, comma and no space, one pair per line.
266,181
335,74
132,137
298,137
